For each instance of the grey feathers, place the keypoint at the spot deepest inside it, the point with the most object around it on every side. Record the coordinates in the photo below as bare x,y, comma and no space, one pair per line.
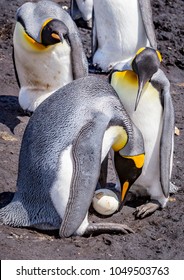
79,119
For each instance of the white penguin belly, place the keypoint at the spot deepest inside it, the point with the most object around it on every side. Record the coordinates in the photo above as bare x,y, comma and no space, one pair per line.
60,190
120,31
148,118
40,71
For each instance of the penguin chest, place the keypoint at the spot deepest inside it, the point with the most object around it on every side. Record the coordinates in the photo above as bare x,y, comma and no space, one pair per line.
120,29
44,68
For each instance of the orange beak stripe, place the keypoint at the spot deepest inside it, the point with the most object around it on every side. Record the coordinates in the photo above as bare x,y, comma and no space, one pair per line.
124,190
55,36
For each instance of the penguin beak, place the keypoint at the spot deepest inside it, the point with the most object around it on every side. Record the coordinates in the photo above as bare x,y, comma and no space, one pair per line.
124,190
58,37
141,84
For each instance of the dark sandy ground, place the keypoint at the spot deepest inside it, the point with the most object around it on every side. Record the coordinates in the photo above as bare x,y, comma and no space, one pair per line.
159,236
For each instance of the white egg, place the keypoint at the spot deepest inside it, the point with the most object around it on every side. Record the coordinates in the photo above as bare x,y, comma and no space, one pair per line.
105,202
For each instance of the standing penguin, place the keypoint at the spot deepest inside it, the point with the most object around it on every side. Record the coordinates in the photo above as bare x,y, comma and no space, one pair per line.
145,93
60,158
120,28
48,52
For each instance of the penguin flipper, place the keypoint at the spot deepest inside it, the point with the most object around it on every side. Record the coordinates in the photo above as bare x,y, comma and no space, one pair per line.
94,42
79,60
86,161
167,137
15,69
146,12
161,82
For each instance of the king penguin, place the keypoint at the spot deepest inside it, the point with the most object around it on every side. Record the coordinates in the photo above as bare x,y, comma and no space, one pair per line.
48,51
120,28
59,164
145,93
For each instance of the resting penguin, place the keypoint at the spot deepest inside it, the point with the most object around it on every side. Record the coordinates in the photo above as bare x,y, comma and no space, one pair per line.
145,93
60,158
48,52
120,28
82,9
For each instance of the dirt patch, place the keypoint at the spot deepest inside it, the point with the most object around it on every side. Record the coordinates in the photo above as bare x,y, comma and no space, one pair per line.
160,236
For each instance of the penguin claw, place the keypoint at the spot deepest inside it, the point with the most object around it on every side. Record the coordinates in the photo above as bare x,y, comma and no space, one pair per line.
99,228
146,209
83,23
25,112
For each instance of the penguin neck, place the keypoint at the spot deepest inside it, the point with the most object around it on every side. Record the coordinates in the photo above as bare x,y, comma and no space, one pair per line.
125,84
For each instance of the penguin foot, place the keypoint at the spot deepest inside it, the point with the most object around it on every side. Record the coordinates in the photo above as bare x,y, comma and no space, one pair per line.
87,24
96,69
99,228
146,209
26,112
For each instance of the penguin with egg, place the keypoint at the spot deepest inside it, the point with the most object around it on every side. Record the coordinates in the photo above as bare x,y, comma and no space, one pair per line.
59,165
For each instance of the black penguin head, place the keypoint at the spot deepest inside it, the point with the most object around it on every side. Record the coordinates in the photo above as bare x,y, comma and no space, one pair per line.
53,32
41,24
145,64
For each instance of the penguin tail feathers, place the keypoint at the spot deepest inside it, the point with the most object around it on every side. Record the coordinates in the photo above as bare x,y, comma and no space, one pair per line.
14,214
